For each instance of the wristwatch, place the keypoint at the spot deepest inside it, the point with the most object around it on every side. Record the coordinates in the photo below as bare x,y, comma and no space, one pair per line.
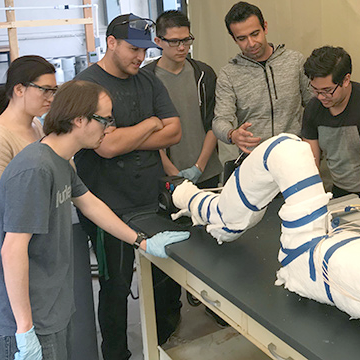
140,237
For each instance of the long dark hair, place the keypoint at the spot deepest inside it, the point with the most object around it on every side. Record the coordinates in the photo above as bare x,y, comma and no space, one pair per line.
23,70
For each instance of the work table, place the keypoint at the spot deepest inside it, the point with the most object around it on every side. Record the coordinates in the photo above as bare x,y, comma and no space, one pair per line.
243,273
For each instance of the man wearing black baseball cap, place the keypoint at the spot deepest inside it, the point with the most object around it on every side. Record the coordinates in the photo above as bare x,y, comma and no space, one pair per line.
133,29
124,171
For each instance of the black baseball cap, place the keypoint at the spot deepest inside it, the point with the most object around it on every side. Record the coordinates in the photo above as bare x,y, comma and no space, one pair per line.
133,29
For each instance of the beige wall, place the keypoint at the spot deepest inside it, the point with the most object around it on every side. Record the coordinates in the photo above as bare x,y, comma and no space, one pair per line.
302,25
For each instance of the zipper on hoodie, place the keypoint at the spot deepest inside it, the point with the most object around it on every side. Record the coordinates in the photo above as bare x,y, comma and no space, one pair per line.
273,80
268,86
271,102
205,105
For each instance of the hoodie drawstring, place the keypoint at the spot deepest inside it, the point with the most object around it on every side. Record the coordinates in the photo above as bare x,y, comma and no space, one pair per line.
199,87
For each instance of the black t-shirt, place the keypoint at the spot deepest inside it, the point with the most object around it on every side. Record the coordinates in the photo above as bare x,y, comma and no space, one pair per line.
338,138
127,182
263,63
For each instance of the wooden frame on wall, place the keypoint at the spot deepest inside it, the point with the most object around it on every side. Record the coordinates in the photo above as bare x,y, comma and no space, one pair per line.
11,24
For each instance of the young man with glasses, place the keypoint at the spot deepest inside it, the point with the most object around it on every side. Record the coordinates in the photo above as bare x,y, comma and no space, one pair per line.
262,91
36,191
191,86
331,122
124,173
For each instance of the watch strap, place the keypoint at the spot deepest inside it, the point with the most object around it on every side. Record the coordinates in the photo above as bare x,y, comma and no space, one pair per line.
140,237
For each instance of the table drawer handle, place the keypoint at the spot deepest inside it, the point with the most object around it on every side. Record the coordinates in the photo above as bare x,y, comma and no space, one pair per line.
272,349
205,296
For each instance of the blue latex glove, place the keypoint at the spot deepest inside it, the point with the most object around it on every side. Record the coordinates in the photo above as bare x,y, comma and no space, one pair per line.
28,345
193,174
156,244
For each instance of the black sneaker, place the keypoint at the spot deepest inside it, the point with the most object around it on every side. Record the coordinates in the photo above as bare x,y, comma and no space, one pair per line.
219,321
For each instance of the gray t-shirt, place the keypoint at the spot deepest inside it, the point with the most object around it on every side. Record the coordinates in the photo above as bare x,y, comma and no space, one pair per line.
338,138
183,93
35,191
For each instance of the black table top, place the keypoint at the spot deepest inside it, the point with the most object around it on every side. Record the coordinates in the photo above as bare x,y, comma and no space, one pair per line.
244,272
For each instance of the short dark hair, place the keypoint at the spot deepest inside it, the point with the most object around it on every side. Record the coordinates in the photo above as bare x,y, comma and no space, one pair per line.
328,60
23,70
74,98
170,19
241,11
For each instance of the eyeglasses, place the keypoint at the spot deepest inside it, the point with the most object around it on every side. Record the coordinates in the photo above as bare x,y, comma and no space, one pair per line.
325,93
177,42
47,92
105,121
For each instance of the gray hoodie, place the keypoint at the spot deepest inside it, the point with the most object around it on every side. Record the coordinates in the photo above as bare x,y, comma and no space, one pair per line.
271,97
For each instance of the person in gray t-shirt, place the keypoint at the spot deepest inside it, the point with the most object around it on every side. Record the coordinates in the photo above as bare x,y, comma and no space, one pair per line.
191,86
36,190
331,123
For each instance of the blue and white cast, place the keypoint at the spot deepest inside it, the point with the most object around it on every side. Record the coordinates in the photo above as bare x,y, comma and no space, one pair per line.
317,264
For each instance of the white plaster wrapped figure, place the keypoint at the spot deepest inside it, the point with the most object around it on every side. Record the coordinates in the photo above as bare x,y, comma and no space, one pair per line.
317,264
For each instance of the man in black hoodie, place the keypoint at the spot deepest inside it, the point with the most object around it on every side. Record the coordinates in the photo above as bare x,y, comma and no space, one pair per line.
191,86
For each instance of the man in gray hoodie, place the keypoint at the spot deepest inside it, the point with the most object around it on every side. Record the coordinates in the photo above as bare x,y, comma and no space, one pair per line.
262,91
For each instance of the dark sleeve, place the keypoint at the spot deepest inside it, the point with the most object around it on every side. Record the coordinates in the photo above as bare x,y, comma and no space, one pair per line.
163,105
27,203
309,129
210,83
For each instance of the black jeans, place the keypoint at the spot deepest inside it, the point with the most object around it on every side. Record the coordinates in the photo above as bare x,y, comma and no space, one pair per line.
112,311
57,346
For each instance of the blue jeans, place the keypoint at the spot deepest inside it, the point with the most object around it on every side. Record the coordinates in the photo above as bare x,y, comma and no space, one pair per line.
54,346
7,347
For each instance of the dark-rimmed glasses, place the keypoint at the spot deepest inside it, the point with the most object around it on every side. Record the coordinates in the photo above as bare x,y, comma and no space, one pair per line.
105,121
325,93
47,92
177,42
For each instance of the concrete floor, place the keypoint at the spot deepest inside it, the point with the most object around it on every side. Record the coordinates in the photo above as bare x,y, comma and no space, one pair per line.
195,323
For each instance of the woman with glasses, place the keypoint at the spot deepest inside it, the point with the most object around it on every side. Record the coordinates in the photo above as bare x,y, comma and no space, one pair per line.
28,93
